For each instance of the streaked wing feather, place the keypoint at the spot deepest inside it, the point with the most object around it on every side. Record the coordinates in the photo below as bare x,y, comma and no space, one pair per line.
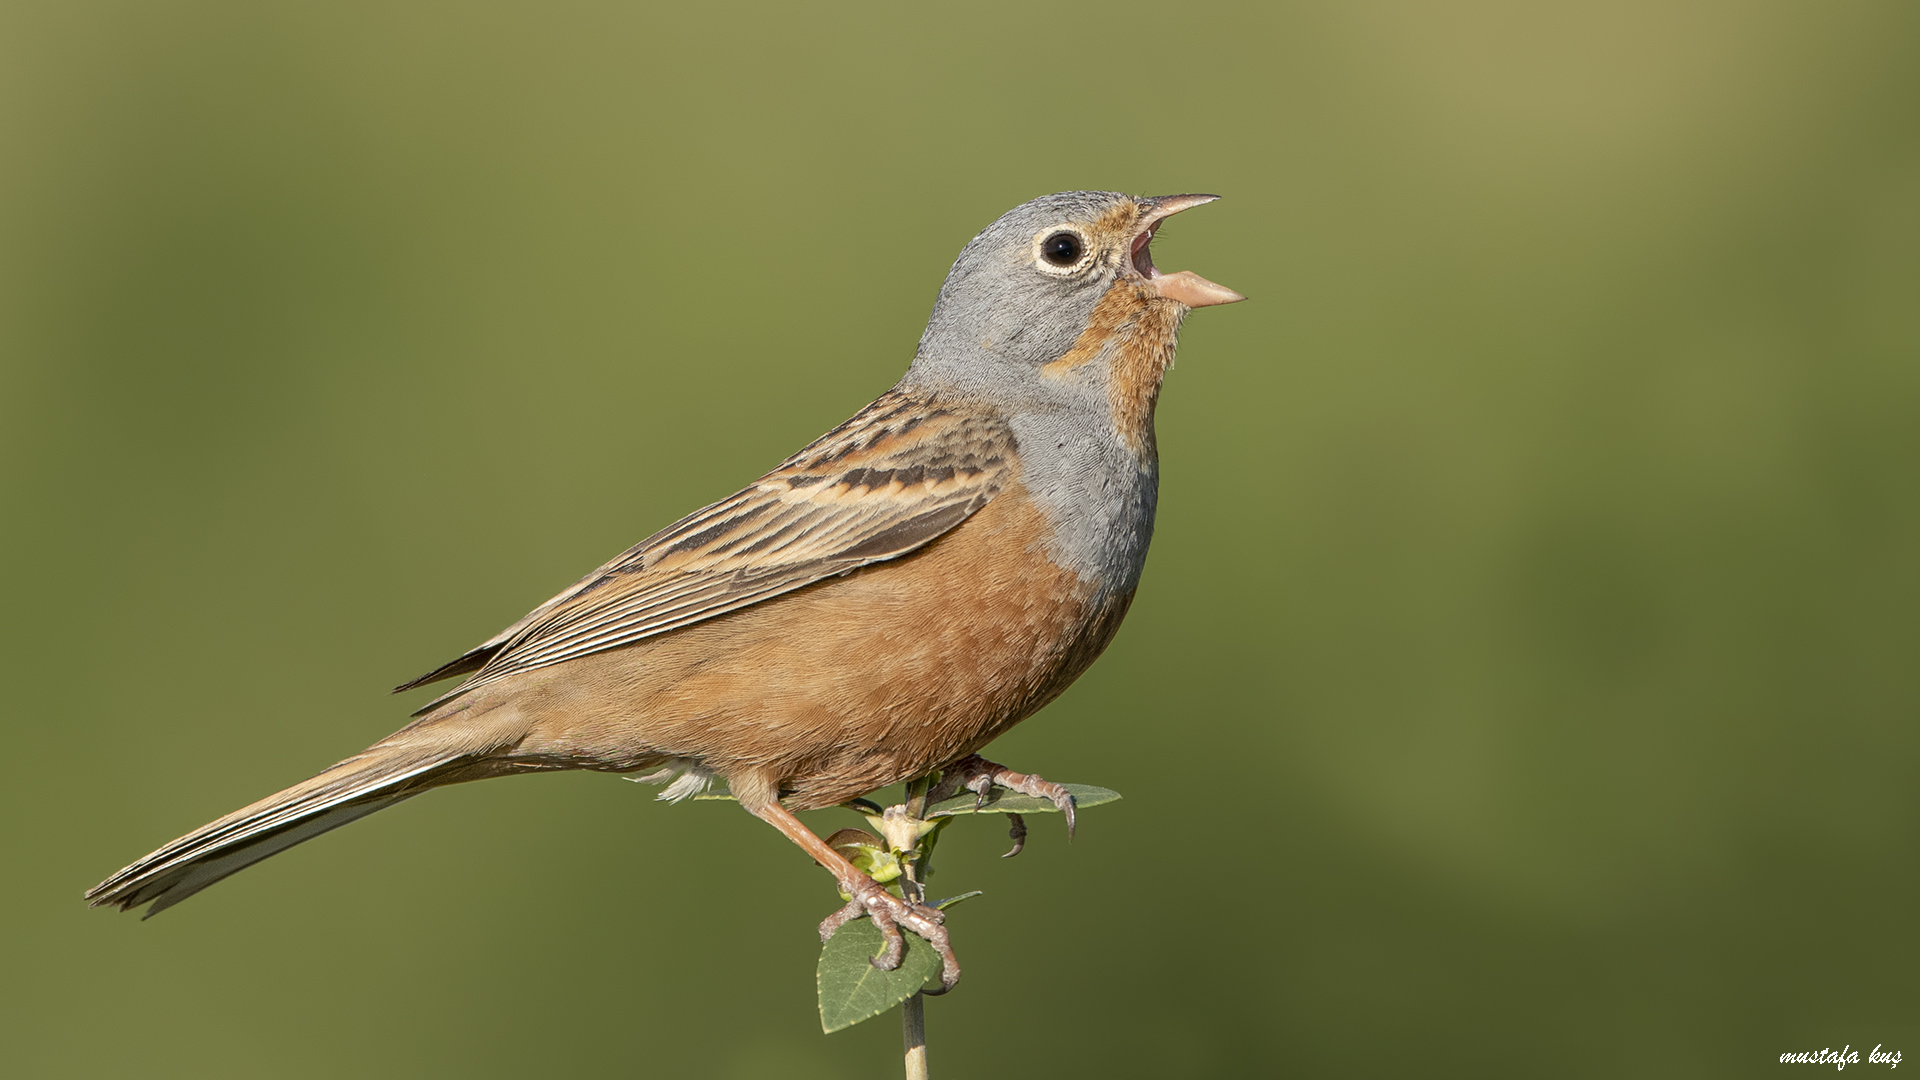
887,482
476,658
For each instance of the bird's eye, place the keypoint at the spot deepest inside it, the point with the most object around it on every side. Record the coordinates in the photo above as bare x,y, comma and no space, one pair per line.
1062,249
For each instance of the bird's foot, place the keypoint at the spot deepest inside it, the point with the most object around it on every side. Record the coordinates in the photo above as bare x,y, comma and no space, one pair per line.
978,775
890,913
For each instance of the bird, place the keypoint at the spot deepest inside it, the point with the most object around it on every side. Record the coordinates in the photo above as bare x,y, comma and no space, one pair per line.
879,607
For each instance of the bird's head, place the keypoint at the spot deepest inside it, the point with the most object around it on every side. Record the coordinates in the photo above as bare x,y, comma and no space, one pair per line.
1063,285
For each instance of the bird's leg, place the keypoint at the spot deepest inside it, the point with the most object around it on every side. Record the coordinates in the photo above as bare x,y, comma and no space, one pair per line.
979,776
870,898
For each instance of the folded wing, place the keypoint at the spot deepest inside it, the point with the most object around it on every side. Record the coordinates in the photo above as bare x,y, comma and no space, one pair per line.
901,473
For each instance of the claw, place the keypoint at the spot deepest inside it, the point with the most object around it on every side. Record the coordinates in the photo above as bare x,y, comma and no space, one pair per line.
979,776
981,786
890,913
1017,832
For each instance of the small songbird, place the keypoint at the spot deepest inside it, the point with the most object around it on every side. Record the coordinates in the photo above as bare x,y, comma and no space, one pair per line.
880,606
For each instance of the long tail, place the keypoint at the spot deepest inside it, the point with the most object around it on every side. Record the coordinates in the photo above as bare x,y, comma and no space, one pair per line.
413,760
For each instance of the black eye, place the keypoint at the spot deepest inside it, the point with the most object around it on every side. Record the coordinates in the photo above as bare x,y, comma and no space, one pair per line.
1061,249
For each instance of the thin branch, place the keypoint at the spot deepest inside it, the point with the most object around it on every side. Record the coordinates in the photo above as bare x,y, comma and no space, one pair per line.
913,1011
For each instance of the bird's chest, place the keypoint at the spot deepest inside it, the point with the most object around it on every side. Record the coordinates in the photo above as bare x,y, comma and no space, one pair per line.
1097,492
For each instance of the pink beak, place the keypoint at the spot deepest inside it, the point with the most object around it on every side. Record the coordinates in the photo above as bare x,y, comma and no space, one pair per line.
1184,286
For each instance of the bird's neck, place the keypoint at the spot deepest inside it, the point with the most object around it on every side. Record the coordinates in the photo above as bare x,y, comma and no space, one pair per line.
1124,352
1108,371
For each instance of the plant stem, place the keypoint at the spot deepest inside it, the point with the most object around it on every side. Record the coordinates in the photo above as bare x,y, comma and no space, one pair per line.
913,1011
913,1023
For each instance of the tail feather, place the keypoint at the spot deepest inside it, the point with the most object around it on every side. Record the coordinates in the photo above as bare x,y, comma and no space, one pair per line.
356,787
168,888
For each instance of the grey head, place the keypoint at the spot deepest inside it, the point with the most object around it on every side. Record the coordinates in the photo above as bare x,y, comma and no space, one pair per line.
1024,290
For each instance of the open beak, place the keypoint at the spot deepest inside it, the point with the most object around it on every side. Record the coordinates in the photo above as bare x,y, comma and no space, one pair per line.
1184,286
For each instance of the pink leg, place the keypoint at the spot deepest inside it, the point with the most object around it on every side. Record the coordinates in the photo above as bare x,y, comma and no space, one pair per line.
888,911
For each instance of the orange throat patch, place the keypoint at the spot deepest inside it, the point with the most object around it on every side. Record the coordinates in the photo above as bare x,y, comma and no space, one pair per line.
1135,329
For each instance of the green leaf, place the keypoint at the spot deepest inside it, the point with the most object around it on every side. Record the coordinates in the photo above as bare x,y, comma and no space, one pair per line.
852,990
952,900
1002,801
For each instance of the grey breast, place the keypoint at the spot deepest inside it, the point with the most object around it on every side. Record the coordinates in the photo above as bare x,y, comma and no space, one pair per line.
1096,493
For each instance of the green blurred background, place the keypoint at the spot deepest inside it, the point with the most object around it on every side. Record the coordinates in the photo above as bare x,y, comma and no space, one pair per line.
1524,682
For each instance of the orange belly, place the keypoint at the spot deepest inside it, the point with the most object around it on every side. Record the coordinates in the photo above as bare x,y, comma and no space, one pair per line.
845,686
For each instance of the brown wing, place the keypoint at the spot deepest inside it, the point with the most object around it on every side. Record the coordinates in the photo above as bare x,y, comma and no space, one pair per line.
899,474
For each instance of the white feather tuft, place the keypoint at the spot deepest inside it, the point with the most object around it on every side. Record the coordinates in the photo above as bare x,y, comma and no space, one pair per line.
689,778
